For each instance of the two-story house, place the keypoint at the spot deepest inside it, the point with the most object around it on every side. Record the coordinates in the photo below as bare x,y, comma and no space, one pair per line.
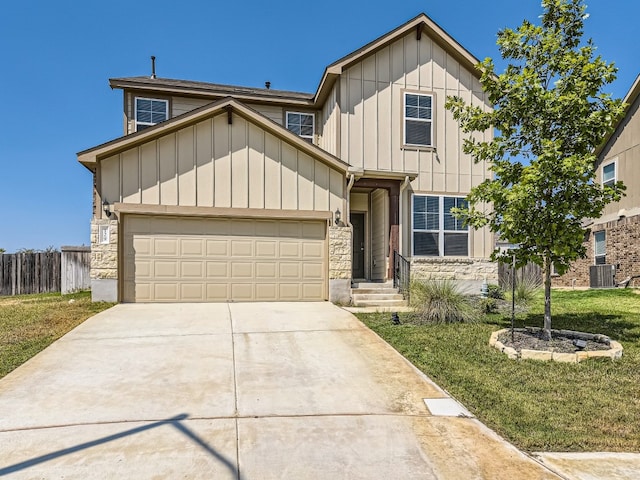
613,240
225,193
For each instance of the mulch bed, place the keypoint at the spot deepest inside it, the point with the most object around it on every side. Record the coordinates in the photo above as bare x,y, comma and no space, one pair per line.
559,343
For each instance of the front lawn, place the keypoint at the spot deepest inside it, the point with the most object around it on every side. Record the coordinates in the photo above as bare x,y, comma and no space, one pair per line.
539,406
30,323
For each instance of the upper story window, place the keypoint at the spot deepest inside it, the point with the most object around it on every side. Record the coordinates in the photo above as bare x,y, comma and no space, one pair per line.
609,174
600,247
150,111
301,124
436,232
418,119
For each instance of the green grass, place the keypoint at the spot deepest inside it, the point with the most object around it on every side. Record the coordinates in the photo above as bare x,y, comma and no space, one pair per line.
30,323
539,406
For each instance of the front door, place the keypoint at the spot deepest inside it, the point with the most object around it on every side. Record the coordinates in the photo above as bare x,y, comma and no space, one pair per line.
357,220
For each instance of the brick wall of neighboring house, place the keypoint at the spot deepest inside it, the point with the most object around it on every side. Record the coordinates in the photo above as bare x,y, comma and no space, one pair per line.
622,250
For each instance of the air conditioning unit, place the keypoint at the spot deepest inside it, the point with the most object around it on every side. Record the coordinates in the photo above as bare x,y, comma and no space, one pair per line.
602,276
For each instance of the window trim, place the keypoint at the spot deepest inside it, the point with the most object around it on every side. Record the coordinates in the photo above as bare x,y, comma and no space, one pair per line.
604,256
313,124
135,111
441,230
614,162
403,117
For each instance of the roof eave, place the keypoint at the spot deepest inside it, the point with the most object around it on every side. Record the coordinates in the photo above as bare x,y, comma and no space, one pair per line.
630,98
123,83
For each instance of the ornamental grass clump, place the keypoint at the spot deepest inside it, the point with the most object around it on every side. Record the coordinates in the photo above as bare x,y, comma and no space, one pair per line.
440,301
527,285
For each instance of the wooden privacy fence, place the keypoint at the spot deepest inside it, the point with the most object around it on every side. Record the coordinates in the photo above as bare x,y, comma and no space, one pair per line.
530,272
44,272
29,273
75,267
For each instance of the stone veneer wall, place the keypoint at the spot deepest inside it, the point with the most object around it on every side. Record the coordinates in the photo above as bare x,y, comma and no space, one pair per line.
339,253
104,257
622,250
340,264
463,269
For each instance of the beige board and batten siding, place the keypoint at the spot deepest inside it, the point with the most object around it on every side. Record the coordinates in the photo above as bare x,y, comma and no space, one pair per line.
624,149
371,125
371,96
329,133
178,259
181,105
215,164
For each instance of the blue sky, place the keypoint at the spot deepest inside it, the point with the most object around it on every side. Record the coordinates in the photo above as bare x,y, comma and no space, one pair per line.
57,58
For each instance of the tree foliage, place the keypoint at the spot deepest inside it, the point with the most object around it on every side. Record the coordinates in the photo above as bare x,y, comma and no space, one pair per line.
49,249
550,114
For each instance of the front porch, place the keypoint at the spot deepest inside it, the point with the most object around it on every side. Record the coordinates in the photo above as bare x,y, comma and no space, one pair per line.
376,224
374,214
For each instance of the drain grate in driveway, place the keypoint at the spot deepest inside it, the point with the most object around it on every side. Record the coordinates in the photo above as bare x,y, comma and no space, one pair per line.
446,407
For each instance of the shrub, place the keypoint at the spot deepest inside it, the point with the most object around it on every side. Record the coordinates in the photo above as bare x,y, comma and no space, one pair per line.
496,292
440,301
488,305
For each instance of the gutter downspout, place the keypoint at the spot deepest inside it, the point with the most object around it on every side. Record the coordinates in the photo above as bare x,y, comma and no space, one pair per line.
403,187
347,212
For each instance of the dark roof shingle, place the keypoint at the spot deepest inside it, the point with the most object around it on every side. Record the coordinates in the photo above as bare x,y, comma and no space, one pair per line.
205,88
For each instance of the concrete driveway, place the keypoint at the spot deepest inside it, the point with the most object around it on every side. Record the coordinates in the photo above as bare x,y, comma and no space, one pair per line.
229,391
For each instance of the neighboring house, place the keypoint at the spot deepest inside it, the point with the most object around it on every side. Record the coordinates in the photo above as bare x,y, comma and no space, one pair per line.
223,193
613,240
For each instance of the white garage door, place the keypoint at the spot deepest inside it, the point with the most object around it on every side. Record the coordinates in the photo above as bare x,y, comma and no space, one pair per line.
170,259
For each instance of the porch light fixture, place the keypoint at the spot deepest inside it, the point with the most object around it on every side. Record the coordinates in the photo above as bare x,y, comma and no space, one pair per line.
105,208
338,216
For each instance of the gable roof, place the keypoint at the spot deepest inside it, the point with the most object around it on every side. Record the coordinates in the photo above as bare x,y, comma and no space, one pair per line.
419,24
630,98
89,158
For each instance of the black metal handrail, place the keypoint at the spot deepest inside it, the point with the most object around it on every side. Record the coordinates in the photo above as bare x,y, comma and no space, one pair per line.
401,274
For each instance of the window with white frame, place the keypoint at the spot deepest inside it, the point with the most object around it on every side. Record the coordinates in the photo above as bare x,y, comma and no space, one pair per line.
150,111
302,124
600,247
609,174
418,119
436,231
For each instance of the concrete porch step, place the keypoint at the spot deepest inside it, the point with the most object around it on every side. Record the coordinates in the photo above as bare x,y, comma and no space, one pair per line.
379,303
375,285
365,291
376,294
393,295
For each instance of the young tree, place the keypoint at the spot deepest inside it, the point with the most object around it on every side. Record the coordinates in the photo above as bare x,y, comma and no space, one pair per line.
549,116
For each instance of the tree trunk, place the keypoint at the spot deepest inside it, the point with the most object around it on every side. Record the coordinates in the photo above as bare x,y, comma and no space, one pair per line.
547,298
